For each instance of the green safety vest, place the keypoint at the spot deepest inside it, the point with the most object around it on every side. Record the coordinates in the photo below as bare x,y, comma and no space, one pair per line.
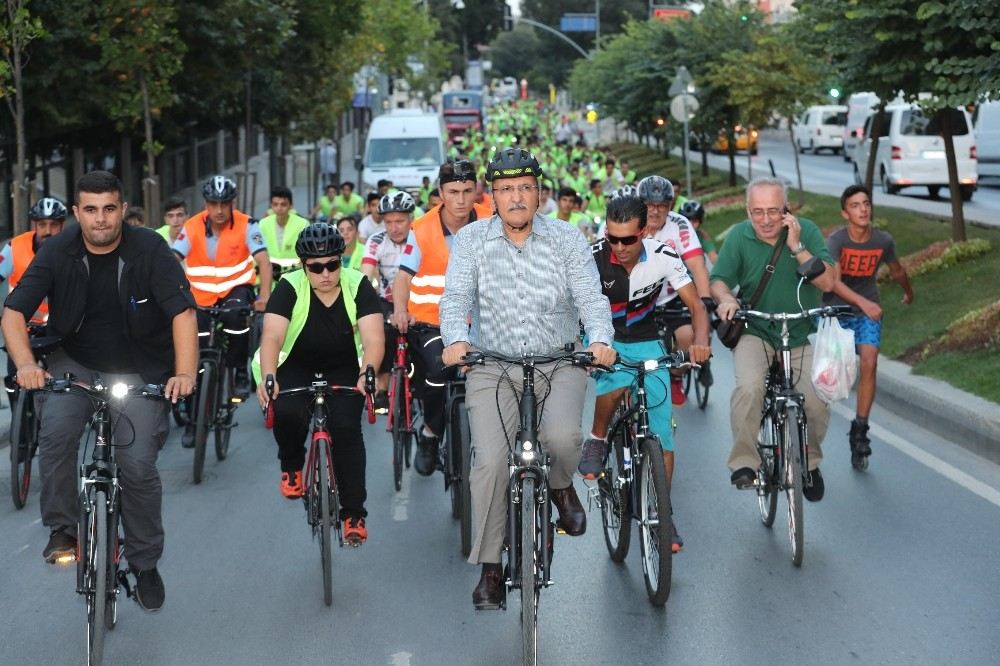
284,254
630,177
347,206
165,232
349,281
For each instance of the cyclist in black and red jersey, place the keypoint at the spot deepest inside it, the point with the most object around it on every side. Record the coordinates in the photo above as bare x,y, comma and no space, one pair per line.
634,270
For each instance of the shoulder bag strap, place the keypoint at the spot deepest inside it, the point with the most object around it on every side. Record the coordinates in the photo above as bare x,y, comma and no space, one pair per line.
769,269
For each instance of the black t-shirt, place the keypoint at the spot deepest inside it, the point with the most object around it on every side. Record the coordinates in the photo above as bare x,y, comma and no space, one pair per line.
101,342
326,343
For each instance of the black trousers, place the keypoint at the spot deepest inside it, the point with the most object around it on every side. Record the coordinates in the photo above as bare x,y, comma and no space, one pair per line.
239,343
430,376
291,428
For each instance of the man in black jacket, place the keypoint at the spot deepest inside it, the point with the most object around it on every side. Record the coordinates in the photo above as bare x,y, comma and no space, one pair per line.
123,308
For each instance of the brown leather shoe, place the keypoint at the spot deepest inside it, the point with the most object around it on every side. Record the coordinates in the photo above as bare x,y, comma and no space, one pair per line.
572,518
488,594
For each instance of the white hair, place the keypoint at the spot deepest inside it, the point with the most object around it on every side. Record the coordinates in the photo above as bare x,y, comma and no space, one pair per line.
767,181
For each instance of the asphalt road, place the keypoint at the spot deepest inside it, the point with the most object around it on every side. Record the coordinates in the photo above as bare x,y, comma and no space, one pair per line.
900,567
830,174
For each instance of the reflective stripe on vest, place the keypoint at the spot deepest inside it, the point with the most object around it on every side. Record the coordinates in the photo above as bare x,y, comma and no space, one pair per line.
233,265
349,282
22,252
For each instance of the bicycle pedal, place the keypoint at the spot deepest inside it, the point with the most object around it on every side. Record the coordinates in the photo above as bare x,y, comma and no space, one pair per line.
593,496
123,581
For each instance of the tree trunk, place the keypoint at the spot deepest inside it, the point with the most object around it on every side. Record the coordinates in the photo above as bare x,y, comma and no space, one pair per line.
704,158
731,153
798,167
955,189
151,190
749,160
19,189
875,131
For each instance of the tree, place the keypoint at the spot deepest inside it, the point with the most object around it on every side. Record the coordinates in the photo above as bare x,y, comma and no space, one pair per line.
466,30
17,30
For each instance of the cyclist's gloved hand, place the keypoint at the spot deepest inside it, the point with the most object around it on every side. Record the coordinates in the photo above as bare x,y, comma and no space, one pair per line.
179,386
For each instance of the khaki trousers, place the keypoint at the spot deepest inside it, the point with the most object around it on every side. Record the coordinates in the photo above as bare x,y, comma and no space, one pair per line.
751,360
560,433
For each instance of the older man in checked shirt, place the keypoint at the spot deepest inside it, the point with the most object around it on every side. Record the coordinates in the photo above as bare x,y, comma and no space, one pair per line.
526,280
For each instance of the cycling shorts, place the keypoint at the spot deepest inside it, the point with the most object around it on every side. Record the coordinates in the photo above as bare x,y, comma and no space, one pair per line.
657,386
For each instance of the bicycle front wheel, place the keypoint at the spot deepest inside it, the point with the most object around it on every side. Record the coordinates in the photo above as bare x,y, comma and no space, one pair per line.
530,569
615,488
203,419
226,411
768,441
463,465
793,482
399,428
116,551
23,440
700,388
321,488
655,523
95,575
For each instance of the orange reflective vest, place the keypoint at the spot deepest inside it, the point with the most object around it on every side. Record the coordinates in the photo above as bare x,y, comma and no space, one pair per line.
427,285
233,266
22,252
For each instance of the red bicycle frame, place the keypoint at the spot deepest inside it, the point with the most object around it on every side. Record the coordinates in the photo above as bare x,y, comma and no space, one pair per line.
402,363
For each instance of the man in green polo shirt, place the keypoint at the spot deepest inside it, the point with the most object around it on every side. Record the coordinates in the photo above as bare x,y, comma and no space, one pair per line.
281,229
347,202
741,263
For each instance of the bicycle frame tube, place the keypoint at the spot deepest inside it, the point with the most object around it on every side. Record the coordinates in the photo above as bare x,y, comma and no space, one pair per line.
402,363
788,395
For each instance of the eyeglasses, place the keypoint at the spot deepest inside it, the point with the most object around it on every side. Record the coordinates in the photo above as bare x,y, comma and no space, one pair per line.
770,212
318,269
510,189
623,240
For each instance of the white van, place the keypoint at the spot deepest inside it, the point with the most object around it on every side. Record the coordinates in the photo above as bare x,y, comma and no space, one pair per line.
986,120
911,151
859,107
820,128
403,146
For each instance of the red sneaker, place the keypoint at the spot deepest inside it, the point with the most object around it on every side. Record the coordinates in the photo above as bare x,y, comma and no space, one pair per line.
291,485
677,392
354,531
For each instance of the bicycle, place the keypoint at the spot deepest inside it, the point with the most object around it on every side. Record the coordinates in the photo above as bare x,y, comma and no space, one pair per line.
400,421
668,319
457,460
215,399
100,546
527,566
24,421
322,503
782,441
635,454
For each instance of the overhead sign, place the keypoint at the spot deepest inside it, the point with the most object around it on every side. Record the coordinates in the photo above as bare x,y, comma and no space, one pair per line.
668,12
683,107
578,23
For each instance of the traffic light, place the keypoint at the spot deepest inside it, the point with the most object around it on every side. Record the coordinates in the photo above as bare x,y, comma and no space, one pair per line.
835,93
508,18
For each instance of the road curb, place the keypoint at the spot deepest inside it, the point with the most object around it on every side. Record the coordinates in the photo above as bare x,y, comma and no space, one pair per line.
965,419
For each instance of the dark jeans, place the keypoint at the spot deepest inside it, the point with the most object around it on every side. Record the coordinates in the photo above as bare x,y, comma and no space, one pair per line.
347,449
63,417
239,343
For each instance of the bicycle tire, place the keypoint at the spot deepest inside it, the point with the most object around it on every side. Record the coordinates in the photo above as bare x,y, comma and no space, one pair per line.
115,553
767,488
700,390
23,440
96,577
465,488
180,412
687,382
205,412
399,431
322,489
793,483
224,426
655,527
615,491
529,571
453,458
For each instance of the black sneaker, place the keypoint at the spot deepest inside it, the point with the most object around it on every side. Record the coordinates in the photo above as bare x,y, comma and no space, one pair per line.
592,458
241,383
858,437
187,439
814,491
426,459
61,545
742,478
149,592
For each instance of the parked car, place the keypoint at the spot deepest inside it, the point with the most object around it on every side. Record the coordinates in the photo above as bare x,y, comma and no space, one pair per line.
859,107
986,121
820,128
911,151
746,139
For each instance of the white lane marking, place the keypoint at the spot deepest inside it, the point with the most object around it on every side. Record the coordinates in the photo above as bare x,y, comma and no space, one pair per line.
22,549
399,502
946,470
400,659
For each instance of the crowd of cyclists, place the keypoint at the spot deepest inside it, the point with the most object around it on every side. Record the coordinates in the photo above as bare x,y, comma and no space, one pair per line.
527,241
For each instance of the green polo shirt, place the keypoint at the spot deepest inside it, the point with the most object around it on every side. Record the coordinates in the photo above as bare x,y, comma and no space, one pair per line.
741,264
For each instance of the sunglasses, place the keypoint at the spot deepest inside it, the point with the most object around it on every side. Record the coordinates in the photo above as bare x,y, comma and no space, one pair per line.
318,269
623,240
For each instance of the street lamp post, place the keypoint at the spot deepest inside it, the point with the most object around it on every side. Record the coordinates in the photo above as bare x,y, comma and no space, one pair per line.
682,108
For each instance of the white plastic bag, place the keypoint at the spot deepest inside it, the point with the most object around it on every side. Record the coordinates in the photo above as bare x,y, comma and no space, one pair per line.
835,364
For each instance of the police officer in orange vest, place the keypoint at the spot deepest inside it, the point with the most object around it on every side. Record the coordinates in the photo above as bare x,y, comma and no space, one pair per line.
418,288
220,246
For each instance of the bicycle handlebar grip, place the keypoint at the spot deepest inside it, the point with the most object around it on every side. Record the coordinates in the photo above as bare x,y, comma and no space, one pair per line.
269,408
472,358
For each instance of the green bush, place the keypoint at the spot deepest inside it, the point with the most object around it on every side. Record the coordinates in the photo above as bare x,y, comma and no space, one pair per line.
955,254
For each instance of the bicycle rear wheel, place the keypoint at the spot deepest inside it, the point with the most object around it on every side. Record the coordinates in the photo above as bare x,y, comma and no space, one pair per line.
615,489
768,441
23,440
399,427
205,415
529,570
793,482
656,527
226,411
321,488
95,577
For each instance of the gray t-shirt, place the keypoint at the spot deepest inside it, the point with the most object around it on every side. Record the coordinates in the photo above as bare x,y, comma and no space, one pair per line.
859,262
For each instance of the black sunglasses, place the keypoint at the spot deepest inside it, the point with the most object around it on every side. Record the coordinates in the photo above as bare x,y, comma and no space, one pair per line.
318,269
623,240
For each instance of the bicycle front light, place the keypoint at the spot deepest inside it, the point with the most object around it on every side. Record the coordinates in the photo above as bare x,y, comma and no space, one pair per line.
119,390
527,451
650,365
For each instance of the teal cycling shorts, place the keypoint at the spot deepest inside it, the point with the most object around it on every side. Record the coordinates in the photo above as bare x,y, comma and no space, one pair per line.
657,386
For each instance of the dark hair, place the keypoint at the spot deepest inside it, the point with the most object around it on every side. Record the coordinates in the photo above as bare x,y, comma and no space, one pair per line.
135,213
99,182
610,161
348,184
566,192
577,199
281,192
850,191
623,209
434,193
373,196
594,182
383,183
348,218
173,204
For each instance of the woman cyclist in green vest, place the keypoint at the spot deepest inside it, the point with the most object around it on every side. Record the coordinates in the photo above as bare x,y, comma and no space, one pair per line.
319,321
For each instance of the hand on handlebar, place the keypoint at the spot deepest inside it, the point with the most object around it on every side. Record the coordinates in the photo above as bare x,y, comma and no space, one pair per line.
727,309
402,320
603,354
266,391
179,386
31,376
454,353
260,304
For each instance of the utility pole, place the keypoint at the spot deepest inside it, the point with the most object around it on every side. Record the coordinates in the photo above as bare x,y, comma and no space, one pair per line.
597,31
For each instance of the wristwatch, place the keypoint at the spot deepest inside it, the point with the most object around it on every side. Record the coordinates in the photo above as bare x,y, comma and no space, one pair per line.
799,249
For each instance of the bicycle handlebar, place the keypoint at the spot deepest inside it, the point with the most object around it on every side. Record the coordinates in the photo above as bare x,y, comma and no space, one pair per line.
102,391
479,357
675,360
321,387
825,311
218,310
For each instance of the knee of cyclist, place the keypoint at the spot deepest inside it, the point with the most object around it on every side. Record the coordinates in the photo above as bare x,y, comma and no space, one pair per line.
751,392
